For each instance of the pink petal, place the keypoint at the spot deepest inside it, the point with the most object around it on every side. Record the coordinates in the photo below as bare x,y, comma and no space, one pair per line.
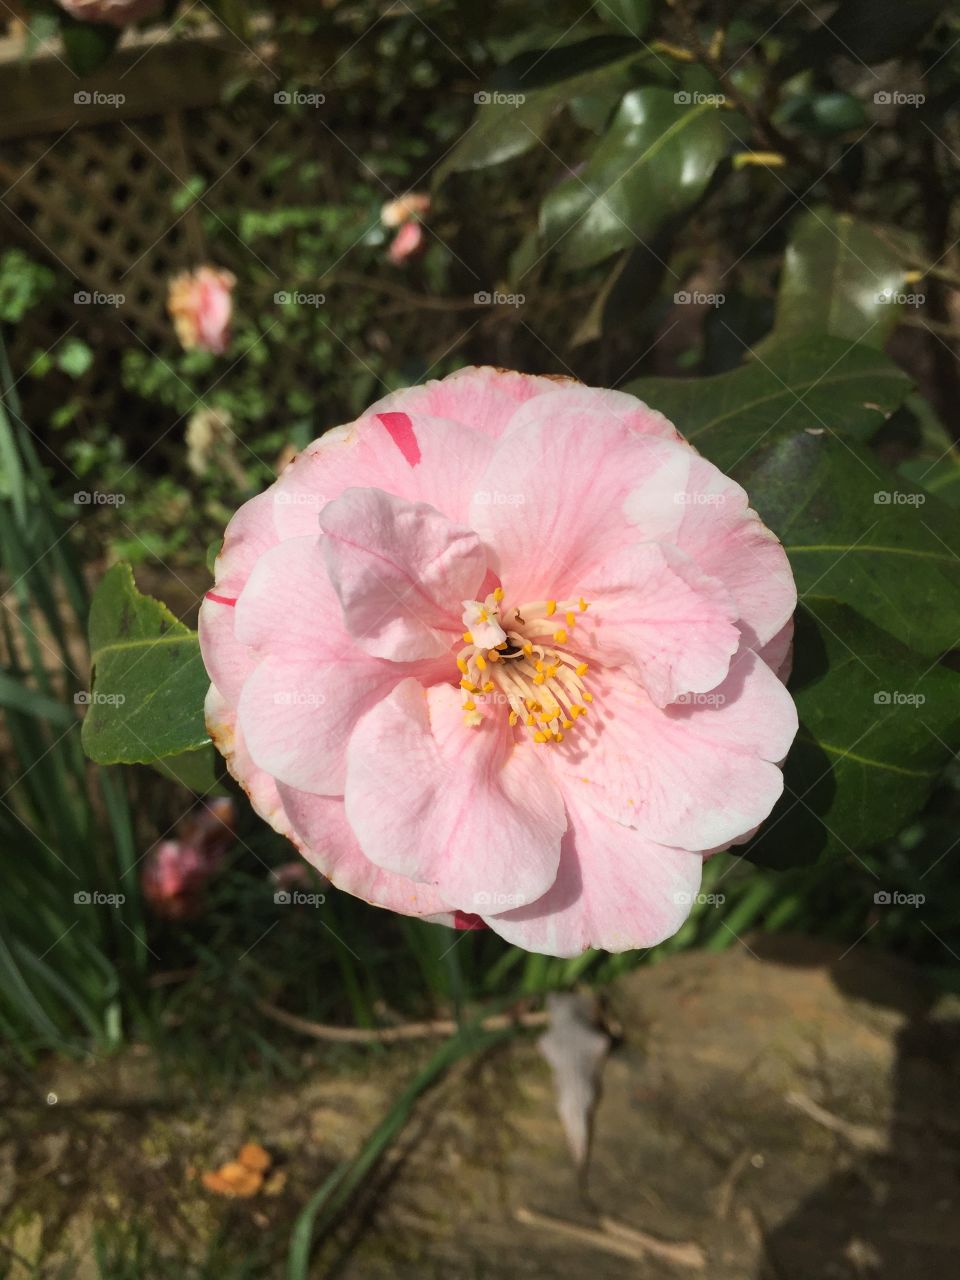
400,570
483,398
615,890
778,652
727,540
327,842
593,409
248,535
311,683
695,775
431,460
316,825
462,809
654,608
551,503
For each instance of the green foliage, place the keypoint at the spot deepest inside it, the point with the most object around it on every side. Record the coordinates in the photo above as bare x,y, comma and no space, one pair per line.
149,679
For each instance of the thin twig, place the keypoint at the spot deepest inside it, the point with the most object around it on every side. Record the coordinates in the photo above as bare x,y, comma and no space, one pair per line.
395,1035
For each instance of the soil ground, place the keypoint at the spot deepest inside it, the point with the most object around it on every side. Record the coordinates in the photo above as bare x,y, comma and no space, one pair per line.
789,1111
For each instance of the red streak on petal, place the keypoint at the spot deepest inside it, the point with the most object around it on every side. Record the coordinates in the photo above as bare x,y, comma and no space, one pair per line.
467,920
211,595
401,433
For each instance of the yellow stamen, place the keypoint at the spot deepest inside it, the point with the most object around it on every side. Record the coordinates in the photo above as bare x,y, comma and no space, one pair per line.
558,737
530,722
539,678
582,668
513,718
462,665
587,697
551,608
528,649
480,661
571,619
560,636
540,737
468,685
498,594
493,655
469,705
489,687
583,605
467,638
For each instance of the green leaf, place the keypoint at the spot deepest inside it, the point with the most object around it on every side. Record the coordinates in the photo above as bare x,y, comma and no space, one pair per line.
198,771
149,680
823,114
814,383
508,124
631,16
653,164
841,277
74,357
538,68
862,535
874,30
878,724
88,44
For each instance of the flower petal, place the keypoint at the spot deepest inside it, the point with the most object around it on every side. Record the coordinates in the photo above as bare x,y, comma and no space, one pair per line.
428,460
615,889
328,843
400,570
311,683
462,809
481,397
720,532
696,774
551,503
652,606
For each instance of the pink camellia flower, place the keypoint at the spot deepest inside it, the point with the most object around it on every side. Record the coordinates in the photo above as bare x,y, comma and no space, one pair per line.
118,13
408,241
176,872
505,650
201,304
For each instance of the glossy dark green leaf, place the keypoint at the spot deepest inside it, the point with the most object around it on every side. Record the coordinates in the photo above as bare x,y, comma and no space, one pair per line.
823,114
537,68
874,30
88,45
878,724
508,124
630,16
843,277
862,535
813,383
654,162
149,681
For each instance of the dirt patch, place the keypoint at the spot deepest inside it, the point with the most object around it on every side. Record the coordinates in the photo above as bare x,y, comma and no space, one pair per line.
787,1110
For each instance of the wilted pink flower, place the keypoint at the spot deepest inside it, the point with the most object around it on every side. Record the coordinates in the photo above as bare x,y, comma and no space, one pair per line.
176,872
118,13
505,648
201,304
415,204
407,242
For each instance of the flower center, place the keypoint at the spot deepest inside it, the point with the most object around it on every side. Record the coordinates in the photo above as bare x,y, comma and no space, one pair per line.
521,657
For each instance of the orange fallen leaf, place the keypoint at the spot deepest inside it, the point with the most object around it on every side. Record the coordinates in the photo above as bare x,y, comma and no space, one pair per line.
253,1156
